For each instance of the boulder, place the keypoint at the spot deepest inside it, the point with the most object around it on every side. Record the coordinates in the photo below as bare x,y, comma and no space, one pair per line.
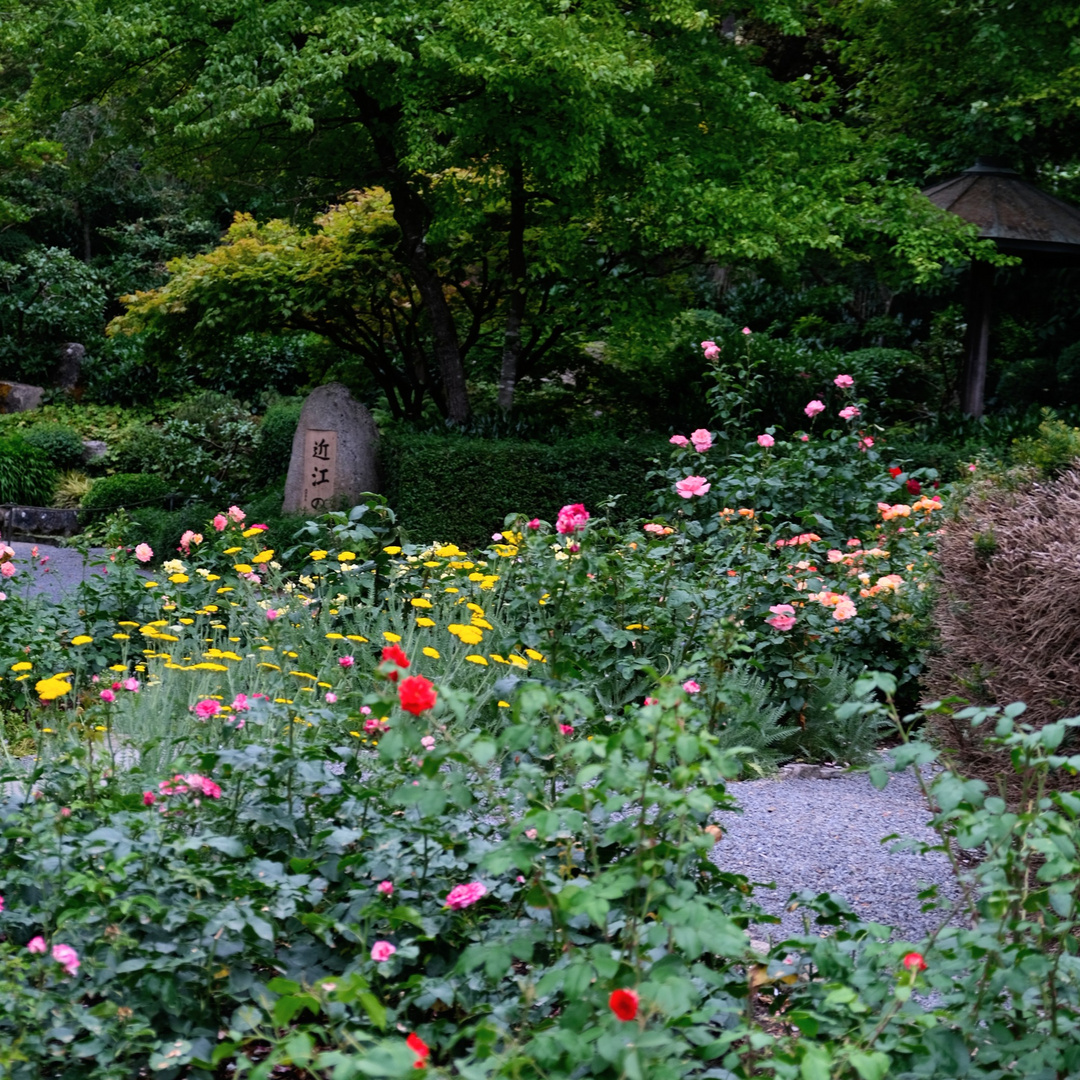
334,453
19,397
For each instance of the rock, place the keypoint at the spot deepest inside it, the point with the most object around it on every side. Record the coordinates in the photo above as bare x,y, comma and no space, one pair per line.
334,453
19,397
69,367
800,770
94,449
39,521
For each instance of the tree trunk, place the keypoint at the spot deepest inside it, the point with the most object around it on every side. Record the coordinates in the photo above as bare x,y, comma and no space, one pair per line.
515,314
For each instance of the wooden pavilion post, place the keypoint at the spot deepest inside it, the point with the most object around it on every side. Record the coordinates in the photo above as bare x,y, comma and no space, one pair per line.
979,308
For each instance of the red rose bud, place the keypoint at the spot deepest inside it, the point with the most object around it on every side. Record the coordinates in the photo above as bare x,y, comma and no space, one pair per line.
895,471
914,961
420,1049
624,1004
394,655
914,487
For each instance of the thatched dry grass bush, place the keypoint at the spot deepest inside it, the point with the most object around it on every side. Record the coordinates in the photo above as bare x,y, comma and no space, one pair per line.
1008,610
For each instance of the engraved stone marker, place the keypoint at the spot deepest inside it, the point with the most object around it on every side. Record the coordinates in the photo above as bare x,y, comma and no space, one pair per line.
333,453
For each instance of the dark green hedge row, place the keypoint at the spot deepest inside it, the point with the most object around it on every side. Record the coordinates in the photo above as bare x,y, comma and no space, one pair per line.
459,489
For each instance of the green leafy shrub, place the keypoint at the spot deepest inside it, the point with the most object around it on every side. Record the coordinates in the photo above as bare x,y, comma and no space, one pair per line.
128,490
27,475
1053,449
62,445
275,441
492,478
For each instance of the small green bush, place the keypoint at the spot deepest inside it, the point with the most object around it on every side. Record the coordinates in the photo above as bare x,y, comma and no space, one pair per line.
61,444
460,489
1053,450
274,447
26,474
129,490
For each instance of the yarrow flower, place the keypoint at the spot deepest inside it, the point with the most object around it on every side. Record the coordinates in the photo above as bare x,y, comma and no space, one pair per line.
624,1004
381,951
463,896
572,518
416,694
814,407
691,486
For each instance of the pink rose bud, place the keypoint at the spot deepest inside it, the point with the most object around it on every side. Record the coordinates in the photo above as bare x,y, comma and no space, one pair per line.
386,888
331,697
107,696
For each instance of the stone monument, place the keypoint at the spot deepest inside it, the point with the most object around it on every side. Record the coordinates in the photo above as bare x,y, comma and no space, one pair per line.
334,453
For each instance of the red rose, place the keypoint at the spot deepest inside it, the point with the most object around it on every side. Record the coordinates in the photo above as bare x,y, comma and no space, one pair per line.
914,961
416,694
394,655
914,487
420,1049
895,471
624,1004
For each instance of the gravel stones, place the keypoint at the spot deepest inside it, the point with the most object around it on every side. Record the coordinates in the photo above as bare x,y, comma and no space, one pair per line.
824,834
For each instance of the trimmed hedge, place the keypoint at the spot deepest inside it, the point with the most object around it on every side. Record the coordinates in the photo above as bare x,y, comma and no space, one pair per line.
62,445
459,488
129,490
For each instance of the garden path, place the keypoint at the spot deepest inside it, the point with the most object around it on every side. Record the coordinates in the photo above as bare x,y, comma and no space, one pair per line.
826,835
63,571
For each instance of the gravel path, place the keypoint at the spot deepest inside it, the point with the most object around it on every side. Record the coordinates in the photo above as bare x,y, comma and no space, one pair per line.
59,575
825,835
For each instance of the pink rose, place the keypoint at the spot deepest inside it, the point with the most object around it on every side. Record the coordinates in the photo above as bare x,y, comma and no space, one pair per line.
236,514
782,622
381,951
572,519
679,440
107,696
371,724
67,958
708,344
207,708
241,703
566,729
849,413
747,330
535,523
463,896
652,701
691,686
867,441
8,569
148,798
428,742
385,888
814,407
834,555
782,609
37,945
271,614
765,440
844,381
652,527
712,352
331,697
346,661
144,553
220,521
701,439
131,685
691,486
804,438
